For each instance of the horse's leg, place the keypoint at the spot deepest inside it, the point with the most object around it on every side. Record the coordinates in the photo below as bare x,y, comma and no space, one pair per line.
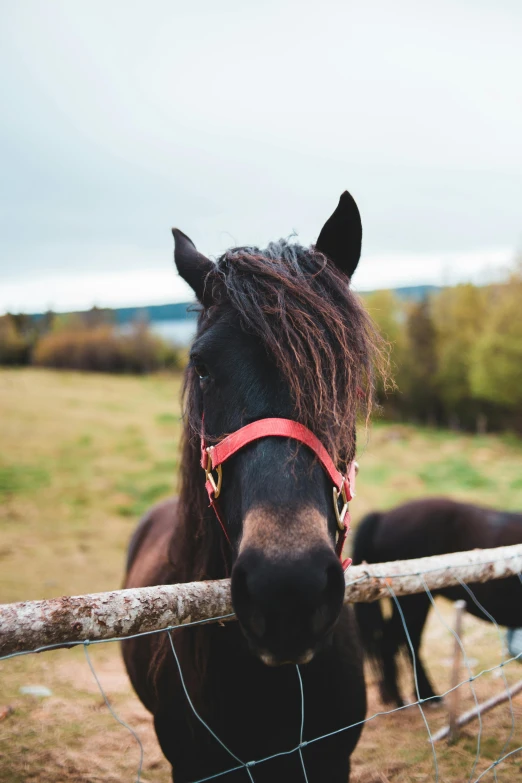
391,640
333,770
191,751
415,609
325,760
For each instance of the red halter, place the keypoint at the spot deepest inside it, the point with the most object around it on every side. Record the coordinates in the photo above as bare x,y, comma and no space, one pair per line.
212,458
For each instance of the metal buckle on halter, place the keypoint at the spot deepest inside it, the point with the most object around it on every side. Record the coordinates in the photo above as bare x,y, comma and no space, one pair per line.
208,474
340,515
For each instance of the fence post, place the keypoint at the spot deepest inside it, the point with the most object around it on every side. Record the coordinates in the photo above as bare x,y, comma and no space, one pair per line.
453,701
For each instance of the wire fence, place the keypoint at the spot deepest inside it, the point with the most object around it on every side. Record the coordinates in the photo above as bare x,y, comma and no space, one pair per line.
382,579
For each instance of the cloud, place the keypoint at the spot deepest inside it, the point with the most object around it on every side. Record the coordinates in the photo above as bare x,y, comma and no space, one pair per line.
240,122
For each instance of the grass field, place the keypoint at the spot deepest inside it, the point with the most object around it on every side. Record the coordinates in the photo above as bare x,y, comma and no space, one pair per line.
81,457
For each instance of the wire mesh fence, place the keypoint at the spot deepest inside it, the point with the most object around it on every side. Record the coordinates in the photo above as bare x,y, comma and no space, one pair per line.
390,580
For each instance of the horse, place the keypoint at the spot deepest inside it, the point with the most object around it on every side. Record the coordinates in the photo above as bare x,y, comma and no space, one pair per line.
282,363
420,528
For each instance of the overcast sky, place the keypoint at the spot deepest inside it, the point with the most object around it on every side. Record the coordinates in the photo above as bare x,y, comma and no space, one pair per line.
241,122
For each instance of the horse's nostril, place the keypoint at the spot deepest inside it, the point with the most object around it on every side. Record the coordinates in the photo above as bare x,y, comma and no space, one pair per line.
257,623
335,581
320,619
328,609
250,614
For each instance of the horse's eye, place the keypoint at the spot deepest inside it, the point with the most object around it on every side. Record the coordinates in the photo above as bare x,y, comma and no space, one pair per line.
202,371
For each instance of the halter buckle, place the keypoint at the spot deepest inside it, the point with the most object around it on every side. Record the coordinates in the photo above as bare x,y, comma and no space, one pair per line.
208,474
340,515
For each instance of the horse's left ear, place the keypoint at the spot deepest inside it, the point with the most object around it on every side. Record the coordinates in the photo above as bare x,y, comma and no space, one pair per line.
193,266
341,236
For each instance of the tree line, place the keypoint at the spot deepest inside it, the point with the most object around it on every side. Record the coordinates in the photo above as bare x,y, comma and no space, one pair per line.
89,341
456,355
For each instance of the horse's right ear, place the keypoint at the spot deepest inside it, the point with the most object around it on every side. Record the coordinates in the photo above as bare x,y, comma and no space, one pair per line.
192,266
341,236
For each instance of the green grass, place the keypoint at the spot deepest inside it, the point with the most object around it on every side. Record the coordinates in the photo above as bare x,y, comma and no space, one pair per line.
82,457
402,462
453,474
22,479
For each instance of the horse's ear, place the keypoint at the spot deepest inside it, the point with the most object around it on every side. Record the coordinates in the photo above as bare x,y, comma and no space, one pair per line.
192,266
341,236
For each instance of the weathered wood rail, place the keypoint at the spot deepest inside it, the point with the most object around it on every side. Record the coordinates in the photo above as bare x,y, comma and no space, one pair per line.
31,625
482,708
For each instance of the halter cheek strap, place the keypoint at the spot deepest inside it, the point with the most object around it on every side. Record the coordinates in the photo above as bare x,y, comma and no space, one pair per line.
213,457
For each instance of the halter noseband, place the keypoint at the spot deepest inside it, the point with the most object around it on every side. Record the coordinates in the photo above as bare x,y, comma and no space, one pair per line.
213,457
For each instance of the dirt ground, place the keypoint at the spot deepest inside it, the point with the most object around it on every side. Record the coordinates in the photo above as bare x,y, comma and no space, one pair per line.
71,736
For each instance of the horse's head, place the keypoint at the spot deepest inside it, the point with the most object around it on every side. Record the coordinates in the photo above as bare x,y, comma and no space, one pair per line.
281,335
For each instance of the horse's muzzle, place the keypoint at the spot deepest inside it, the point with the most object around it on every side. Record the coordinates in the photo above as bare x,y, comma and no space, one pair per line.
287,606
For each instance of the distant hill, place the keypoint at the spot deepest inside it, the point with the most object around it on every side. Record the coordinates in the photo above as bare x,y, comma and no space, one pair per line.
413,292
167,312
183,311
416,292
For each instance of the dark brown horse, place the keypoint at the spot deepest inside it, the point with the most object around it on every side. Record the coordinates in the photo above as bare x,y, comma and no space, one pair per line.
419,529
280,334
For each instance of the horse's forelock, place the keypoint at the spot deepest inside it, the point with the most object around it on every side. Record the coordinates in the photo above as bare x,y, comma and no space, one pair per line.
313,325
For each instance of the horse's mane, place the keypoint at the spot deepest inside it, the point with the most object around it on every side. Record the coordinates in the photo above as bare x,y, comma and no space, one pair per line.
301,308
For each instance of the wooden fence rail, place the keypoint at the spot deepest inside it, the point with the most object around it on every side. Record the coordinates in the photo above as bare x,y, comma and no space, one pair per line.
30,625
486,706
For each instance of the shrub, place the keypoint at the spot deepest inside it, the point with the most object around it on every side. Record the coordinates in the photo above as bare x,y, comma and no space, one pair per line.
15,348
105,349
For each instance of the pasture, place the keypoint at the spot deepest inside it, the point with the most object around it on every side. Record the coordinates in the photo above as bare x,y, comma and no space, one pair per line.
81,457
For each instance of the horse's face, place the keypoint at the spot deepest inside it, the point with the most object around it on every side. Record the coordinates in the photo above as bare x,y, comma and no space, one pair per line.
276,500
